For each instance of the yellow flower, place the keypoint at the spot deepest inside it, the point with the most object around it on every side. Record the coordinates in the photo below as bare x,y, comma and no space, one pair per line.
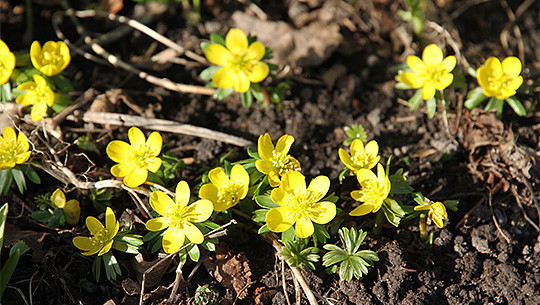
52,59
13,149
37,94
224,192
375,190
429,73
72,208
300,205
177,217
7,62
500,80
240,63
102,236
360,157
137,159
275,161
437,212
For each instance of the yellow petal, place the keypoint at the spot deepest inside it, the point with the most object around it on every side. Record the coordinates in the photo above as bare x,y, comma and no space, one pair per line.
193,233
35,52
106,247
157,224
319,187
258,72
265,147
357,147
444,81
58,199
240,176
153,164
293,181
449,63
173,240
23,142
412,80
110,222
118,150
137,177
63,49
432,55
493,64
346,159
438,222
241,82
93,225
200,210
39,80
155,141
428,91
24,157
483,76
284,144
422,207
511,66
372,148
279,196
9,134
415,63
264,167
255,51
304,227
218,177
161,202
362,210
136,136
218,54
122,169
380,172
365,175
39,110
182,193
209,192
357,195
83,243
4,49
278,220
274,179
236,41
223,78
72,212
323,213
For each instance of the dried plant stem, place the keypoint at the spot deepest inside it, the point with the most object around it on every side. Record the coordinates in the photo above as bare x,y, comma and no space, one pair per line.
177,281
284,282
490,197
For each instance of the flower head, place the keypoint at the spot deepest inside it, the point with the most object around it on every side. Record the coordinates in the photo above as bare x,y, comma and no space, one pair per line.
241,63
276,161
72,208
436,212
52,59
430,73
178,217
13,149
375,190
102,236
7,62
360,157
37,94
224,192
135,160
500,80
300,205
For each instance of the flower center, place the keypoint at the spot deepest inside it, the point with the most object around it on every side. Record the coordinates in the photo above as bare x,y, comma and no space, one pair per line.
51,58
228,194
177,216
9,151
284,163
433,74
100,237
372,192
362,160
4,66
499,81
300,203
241,63
141,155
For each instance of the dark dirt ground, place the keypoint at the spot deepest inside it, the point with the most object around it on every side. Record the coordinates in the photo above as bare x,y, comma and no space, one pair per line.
487,253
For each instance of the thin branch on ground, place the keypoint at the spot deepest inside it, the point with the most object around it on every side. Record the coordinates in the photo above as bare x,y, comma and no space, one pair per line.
284,282
525,215
490,198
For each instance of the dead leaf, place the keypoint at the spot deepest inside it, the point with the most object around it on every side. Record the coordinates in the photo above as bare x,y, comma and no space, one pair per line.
32,239
139,266
232,271
111,6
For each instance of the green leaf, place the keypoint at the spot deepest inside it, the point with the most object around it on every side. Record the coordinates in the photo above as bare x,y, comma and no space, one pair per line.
96,267
18,176
288,234
419,198
5,180
431,105
475,97
43,216
263,229
516,105
247,99
265,201
392,218
259,215
415,100
208,73
459,81
204,45
30,173
217,38
194,253
223,93
345,171
451,204
495,103
3,216
8,269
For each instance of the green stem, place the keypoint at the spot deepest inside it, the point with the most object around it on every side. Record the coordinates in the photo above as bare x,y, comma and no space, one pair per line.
423,228
378,222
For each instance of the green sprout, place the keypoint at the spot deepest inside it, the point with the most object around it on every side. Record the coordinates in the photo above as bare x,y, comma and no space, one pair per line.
353,262
355,131
298,254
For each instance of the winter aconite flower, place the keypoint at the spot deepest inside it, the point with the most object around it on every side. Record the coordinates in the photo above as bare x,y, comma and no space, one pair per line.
430,73
72,208
7,62
224,192
240,62
135,160
375,190
500,80
300,205
360,157
437,212
102,236
276,161
13,149
52,59
178,217
37,94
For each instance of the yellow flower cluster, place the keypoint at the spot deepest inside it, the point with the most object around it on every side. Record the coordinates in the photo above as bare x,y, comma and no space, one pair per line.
72,208
14,149
102,238
7,63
